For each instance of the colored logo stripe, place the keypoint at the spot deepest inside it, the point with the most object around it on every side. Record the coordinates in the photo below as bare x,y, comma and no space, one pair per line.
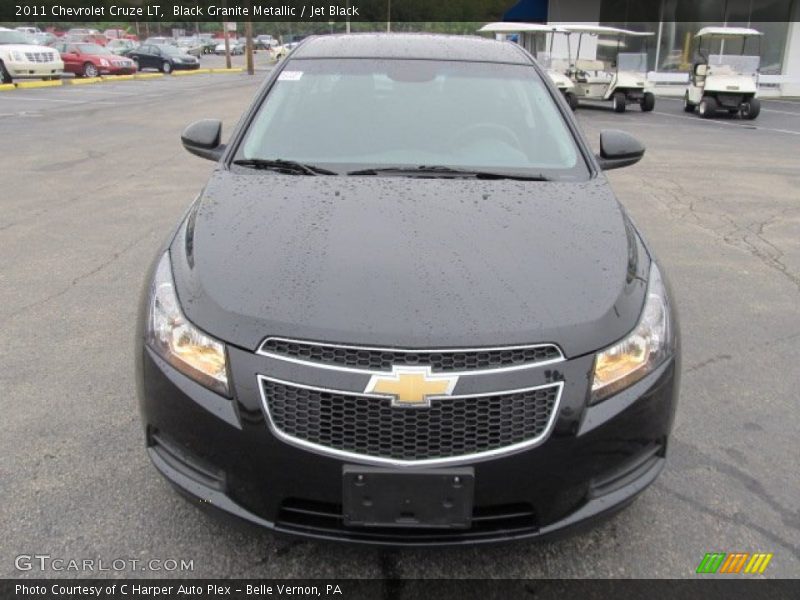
711,562
758,563
721,562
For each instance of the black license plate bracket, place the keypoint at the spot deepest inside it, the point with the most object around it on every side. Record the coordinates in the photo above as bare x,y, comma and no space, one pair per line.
412,498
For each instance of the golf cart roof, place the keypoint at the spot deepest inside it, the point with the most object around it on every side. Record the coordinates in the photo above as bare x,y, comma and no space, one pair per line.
603,30
508,27
727,32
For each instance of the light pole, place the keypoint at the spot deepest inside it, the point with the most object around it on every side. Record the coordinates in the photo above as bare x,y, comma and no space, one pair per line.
389,17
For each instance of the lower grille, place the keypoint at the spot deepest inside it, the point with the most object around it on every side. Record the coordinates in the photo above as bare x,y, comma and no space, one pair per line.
370,427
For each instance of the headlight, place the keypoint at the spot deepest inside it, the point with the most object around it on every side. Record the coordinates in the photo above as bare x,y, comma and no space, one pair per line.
17,56
180,343
103,62
627,361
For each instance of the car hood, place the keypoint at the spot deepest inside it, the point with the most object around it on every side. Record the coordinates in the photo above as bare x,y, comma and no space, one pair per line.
27,48
409,262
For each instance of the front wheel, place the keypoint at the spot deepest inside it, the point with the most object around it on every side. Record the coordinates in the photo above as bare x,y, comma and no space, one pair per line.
571,99
708,107
687,106
89,70
5,76
619,102
751,108
648,102
166,67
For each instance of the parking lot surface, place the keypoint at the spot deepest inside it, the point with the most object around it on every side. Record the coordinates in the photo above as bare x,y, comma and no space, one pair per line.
94,177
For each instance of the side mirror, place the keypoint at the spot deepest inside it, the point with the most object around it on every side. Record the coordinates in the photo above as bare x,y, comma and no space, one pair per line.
701,70
618,149
202,138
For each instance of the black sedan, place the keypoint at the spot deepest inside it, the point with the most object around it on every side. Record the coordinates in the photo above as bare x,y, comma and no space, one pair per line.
163,58
407,307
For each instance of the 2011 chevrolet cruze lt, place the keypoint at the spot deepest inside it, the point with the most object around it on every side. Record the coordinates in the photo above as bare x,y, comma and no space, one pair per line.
407,307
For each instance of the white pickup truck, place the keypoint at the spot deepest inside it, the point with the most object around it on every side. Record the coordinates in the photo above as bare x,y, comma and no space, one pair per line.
19,59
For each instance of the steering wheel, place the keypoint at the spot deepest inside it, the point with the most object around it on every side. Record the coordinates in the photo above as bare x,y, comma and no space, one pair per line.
491,130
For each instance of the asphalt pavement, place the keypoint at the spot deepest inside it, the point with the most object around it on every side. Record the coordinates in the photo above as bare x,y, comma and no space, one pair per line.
94,177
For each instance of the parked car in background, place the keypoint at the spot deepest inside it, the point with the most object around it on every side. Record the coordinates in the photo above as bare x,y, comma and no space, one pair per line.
28,30
191,45
81,31
236,47
161,41
207,42
20,59
115,34
164,58
120,46
91,60
264,42
43,38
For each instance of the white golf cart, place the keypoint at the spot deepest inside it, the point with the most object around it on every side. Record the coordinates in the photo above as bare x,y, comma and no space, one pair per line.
622,82
532,37
724,81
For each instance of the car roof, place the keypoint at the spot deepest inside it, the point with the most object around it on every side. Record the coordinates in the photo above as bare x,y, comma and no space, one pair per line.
411,46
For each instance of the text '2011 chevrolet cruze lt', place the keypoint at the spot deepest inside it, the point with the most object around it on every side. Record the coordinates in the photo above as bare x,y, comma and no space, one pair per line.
407,307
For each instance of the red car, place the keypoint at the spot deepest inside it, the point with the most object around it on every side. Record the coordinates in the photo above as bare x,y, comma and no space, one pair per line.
91,60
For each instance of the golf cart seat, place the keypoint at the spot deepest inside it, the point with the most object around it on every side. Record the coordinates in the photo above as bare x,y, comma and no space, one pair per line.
592,71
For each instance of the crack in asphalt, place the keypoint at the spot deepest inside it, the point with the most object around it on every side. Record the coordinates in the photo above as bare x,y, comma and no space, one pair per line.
682,204
115,256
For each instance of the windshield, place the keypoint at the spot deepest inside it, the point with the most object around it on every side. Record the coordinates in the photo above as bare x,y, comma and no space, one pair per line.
92,49
741,64
632,61
352,114
13,37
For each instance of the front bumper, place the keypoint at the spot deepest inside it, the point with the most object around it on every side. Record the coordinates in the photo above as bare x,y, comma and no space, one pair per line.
34,70
222,453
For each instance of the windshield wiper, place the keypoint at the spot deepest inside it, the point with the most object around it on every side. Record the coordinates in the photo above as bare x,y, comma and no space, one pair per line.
285,166
441,171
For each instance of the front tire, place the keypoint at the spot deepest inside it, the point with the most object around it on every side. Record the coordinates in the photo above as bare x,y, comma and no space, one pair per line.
751,108
648,102
687,106
5,76
89,70
166,67
707,107
571,99
619,102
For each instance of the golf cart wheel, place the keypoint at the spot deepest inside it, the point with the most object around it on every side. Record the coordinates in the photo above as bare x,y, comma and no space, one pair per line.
571,99
687,106
5,76
89,70
751,108
166,67
619,102
708,107
648,102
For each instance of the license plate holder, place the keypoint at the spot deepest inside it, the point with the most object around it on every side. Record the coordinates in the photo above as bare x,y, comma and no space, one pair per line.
422,498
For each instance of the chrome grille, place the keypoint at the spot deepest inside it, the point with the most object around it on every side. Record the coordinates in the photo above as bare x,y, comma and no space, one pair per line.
40,57
360,426
383,359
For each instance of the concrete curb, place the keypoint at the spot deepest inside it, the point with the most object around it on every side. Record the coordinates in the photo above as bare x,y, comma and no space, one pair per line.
7,86
195,72
232,70
26,85
148,75
118,77
84,81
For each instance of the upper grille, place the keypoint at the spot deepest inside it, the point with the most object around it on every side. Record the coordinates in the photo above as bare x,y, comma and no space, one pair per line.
372,428
40,57
386,358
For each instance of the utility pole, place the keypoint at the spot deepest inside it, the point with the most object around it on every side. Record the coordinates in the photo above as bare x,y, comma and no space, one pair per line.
248,36
227,47
389,17
347,21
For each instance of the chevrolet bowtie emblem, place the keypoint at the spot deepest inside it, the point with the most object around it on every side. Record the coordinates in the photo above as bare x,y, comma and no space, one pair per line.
411,386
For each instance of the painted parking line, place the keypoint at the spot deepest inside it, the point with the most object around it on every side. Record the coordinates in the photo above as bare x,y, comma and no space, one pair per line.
697,119
35,99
